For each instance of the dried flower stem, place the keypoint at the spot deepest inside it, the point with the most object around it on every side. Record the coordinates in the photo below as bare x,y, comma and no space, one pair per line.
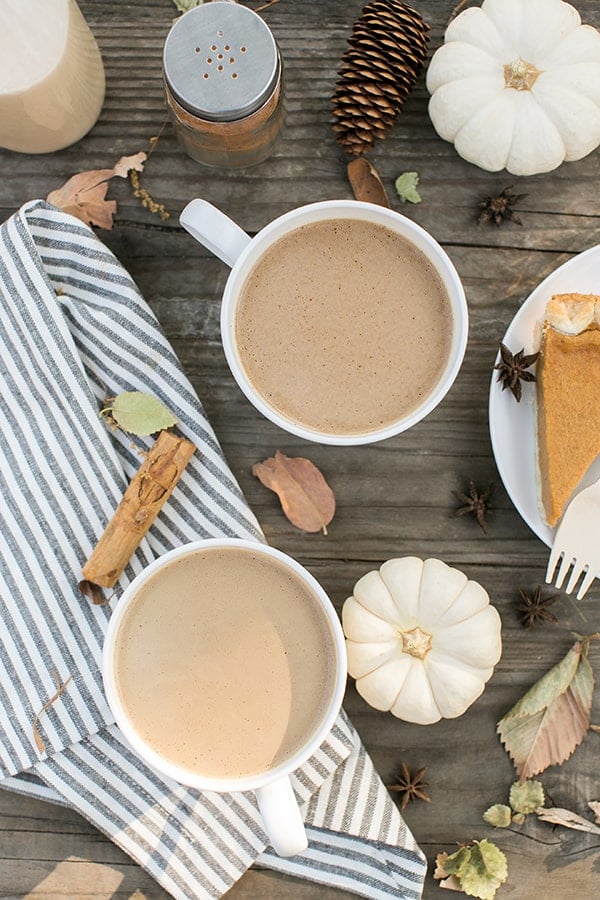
265,6
144,196
156,138
459,8
36,733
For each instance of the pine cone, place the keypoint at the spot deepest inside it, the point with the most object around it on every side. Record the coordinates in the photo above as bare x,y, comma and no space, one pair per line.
384,58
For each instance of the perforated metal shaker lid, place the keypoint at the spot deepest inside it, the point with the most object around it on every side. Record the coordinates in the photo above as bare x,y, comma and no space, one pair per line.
221,61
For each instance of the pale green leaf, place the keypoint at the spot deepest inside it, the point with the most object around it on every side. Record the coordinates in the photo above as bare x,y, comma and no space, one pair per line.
549,686
450,882
527,796
519,818
486,871
406,187
498,815
550,733
455,863
185,5
140,413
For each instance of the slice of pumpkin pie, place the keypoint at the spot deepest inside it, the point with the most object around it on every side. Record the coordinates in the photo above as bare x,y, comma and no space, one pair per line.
568,391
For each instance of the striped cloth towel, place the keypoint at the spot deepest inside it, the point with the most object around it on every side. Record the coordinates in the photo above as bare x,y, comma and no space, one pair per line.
73,330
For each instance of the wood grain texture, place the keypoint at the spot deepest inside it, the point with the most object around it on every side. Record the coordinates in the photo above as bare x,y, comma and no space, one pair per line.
395,498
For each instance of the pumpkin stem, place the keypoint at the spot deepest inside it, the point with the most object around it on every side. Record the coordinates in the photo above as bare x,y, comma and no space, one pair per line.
416,642
520,75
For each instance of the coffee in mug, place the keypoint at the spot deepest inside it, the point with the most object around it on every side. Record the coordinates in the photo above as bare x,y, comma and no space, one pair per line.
343,322
225,667
343,326
224,663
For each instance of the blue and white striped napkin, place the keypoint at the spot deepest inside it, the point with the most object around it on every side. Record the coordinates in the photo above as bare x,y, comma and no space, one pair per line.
73,330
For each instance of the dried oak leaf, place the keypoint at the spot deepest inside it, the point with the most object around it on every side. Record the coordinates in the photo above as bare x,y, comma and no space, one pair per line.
84,194
128,163
306,498
365,182
553,717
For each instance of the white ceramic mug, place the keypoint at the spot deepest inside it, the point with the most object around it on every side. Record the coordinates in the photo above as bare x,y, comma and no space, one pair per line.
230,243
276,800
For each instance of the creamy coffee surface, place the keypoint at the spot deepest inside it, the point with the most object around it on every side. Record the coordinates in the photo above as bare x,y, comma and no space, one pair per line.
344,326
225,663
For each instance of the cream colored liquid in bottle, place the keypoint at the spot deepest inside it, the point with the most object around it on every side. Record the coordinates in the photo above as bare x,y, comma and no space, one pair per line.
51,75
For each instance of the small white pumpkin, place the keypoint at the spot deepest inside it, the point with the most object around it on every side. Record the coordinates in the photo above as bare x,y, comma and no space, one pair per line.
516,85
422,639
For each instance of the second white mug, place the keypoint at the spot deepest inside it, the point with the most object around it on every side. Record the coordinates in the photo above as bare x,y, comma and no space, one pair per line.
225,667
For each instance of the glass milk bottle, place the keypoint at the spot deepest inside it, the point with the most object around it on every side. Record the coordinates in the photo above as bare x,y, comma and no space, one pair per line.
51,75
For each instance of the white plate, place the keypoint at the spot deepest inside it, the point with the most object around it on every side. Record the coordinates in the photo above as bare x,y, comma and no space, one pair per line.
512,424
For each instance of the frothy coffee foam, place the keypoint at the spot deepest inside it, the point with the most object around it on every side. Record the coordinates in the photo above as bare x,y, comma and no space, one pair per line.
344,326
225,663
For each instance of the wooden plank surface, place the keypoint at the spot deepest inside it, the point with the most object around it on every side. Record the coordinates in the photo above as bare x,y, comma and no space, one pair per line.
394,498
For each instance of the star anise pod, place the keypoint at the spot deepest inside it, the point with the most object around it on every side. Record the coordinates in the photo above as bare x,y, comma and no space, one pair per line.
476,503
511,371
410,786
497,209
534,607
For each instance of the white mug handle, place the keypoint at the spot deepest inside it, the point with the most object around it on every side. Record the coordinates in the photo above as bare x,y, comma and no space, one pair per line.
216,231
281,817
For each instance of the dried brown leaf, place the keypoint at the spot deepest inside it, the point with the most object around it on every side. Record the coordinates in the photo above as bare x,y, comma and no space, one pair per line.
566,818
451,883
306,498
594,805
127,163
36,733
365,182
552,718
84,196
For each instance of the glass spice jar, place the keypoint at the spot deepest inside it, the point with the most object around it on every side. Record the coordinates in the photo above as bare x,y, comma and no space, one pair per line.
223,84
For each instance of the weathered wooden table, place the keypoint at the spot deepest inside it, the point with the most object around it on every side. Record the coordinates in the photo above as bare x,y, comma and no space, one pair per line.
394,498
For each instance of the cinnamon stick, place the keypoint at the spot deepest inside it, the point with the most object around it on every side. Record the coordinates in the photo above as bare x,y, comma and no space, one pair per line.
144,498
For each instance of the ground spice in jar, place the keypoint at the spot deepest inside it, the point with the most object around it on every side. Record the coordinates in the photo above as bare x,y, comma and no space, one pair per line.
223,84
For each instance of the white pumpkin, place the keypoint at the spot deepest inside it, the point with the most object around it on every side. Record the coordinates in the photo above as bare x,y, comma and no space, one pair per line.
516,85
422,639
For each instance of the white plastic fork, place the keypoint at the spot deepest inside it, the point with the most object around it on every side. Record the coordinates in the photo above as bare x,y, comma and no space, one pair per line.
577,542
